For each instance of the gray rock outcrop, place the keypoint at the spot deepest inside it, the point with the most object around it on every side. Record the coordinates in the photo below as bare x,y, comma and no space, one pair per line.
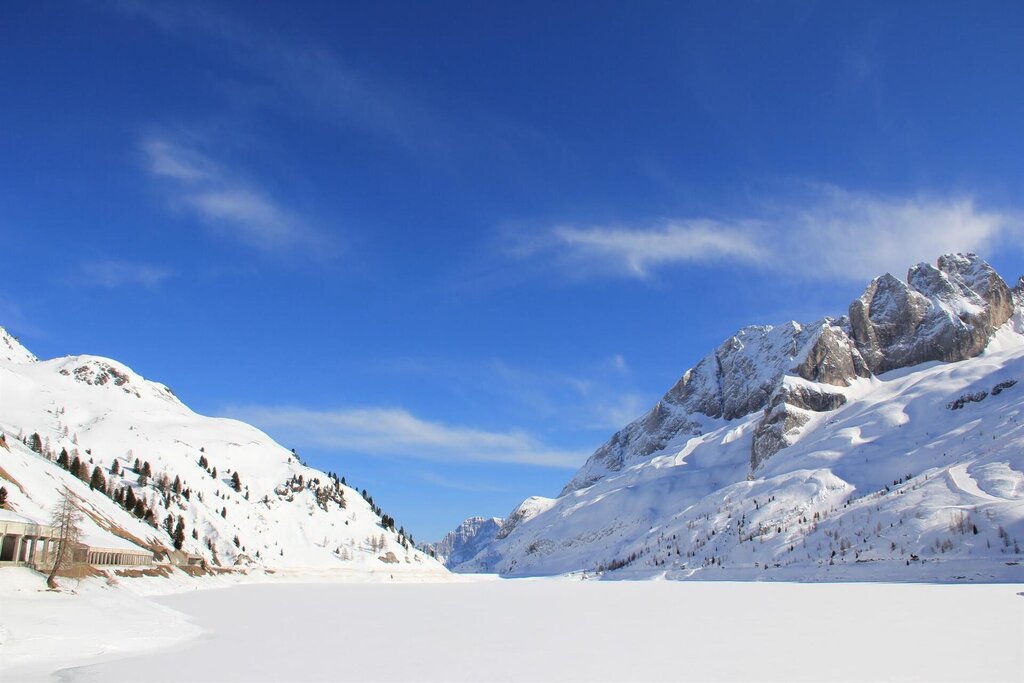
465,541
945,313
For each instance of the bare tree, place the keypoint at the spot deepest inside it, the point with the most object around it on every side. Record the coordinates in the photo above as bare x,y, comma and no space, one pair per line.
67,518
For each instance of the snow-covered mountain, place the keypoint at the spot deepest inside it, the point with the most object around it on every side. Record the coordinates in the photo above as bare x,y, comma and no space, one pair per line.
241,498
468,539
889,438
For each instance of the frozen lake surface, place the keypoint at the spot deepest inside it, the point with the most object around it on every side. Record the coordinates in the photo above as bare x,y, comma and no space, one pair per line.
588,631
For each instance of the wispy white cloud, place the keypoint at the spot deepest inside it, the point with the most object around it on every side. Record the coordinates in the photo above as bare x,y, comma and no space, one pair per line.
115,273
172,160
397,433
616,411
637,252
459,484
589,400
619,363
830,233
224,201
856,235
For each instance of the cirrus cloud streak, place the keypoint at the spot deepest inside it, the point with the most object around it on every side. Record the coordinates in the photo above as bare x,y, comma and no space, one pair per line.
395,432
830,233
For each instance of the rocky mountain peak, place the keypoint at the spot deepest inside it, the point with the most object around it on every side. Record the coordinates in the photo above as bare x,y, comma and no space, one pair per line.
946,312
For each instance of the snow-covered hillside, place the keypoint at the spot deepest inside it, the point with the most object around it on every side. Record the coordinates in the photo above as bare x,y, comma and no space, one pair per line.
241,498
885,444
468,539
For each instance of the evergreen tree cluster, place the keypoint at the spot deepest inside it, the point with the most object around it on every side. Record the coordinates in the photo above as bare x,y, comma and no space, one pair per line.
388,522
125,495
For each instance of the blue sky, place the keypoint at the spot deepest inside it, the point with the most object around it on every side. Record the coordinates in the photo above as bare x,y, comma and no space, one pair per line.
446,249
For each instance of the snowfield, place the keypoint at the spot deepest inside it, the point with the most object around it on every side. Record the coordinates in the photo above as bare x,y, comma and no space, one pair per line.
486,629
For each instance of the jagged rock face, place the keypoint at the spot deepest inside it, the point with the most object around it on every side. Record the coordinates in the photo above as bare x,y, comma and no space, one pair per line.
465,541
771,434
945,313
982,279
884,320
785,415
833,359
739,378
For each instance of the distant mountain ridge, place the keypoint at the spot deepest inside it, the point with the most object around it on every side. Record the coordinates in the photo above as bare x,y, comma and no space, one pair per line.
768,392
465,541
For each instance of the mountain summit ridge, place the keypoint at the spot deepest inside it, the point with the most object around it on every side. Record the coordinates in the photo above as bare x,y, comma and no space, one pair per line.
783,423
945,313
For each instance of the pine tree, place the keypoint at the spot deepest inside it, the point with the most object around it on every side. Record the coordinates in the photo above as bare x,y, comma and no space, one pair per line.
224,513
35,442
97,481
179,534
138,466
147,471
129,499
115,469
177,485
203,462
63,460
214,473
236,482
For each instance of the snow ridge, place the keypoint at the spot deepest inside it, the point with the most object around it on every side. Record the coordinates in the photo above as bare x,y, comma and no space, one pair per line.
12,351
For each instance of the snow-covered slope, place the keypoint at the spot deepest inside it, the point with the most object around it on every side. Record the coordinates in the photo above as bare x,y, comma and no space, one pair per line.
466,541
284,514
880,442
